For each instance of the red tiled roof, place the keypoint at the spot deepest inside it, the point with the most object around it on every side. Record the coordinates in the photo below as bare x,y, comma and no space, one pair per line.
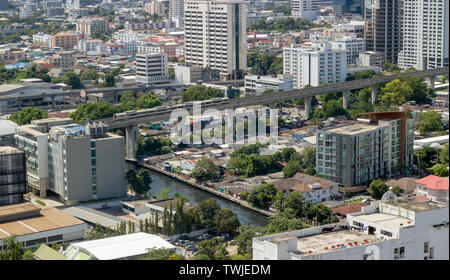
349,208
434,182
420,198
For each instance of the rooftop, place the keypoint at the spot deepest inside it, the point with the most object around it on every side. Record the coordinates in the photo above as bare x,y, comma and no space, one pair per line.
434,182
119,247
415,206
9,150
47,219
353,129
321,243
387,220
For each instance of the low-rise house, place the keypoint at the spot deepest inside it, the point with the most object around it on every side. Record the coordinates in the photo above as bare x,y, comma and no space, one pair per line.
343,210
434,188
408,185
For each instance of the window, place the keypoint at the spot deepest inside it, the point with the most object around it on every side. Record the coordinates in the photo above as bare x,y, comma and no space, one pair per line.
399,253
426,246
431,253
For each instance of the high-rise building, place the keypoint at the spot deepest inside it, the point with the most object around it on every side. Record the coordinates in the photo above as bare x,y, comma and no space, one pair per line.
151,68
353,154
89,25
176,11
315,65
353,45
64,40
425,34
155,7
12,175
308,9
382,27
216,36
4,5
341,7
78,163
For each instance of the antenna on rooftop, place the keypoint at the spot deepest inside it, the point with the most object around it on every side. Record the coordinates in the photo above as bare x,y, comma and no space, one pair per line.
387,196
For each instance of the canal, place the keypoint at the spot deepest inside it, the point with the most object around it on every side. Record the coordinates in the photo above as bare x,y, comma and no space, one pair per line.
160,181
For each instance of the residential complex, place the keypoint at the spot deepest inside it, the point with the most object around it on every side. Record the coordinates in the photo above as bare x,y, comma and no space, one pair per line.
89,25
353,45
392,230
151,68
434,188
353,154
65,41
77,163
308,9
425,34
315,65
215,36
12,175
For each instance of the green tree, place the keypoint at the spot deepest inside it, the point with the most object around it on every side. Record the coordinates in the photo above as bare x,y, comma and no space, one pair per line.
294,201
429,121
309,156
364,95
158,254
292,168
444,155
199,93
27,115
163,193
262,196
245,237
89,75
214,249
139,183
13,250
287,154
377,188
226,221
147,101
207,211
110,81
395,92
397,190
440,170
72,79
93,111
205,169
283,222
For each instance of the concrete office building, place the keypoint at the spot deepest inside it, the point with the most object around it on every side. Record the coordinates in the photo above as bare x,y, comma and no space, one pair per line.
352,45
151,68
89,25
78,163
64,40
215,36
315,65
255,84
425,35
308,9
353,154
4,5
370,58
398,229
12,175
32,225
382,28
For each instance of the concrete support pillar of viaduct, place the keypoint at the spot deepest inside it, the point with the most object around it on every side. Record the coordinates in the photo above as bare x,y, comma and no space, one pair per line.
308,106
345,101
53,103
115,98
19,103
131,141
374,94
431,80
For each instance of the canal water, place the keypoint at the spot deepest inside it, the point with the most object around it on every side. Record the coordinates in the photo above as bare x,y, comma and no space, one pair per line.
160,181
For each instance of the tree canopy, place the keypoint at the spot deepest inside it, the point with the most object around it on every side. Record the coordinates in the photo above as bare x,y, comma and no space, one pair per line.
139,182
377,188
200,92
27,115
205,169
429,121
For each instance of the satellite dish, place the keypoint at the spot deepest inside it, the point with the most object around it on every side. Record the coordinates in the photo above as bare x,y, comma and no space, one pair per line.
388,196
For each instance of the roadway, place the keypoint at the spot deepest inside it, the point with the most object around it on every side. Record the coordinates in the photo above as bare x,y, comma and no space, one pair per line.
280,96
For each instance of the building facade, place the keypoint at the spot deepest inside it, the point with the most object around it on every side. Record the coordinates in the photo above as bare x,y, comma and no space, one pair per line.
155,7
151,68
352,45
315,65
255,84
64,40
353,154
89,25
176,11
215,36
12,175
308,9
78,163
370,58
382,27
425,35
389,230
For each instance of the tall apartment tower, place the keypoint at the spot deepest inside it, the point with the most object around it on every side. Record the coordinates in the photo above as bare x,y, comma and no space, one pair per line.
216,36
425,34
176,11
4,5
308,9
89,25
382,27
315,65
12,175
377,146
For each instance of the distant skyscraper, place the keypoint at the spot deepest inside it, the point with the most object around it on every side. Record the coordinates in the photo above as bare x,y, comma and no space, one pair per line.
382,27
216,37
341,7
3,5
308,9
176,11
425,34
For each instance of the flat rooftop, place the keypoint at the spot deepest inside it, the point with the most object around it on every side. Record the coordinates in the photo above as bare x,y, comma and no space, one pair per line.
415,205
315,244
353,129
387,220
47,219
9,150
